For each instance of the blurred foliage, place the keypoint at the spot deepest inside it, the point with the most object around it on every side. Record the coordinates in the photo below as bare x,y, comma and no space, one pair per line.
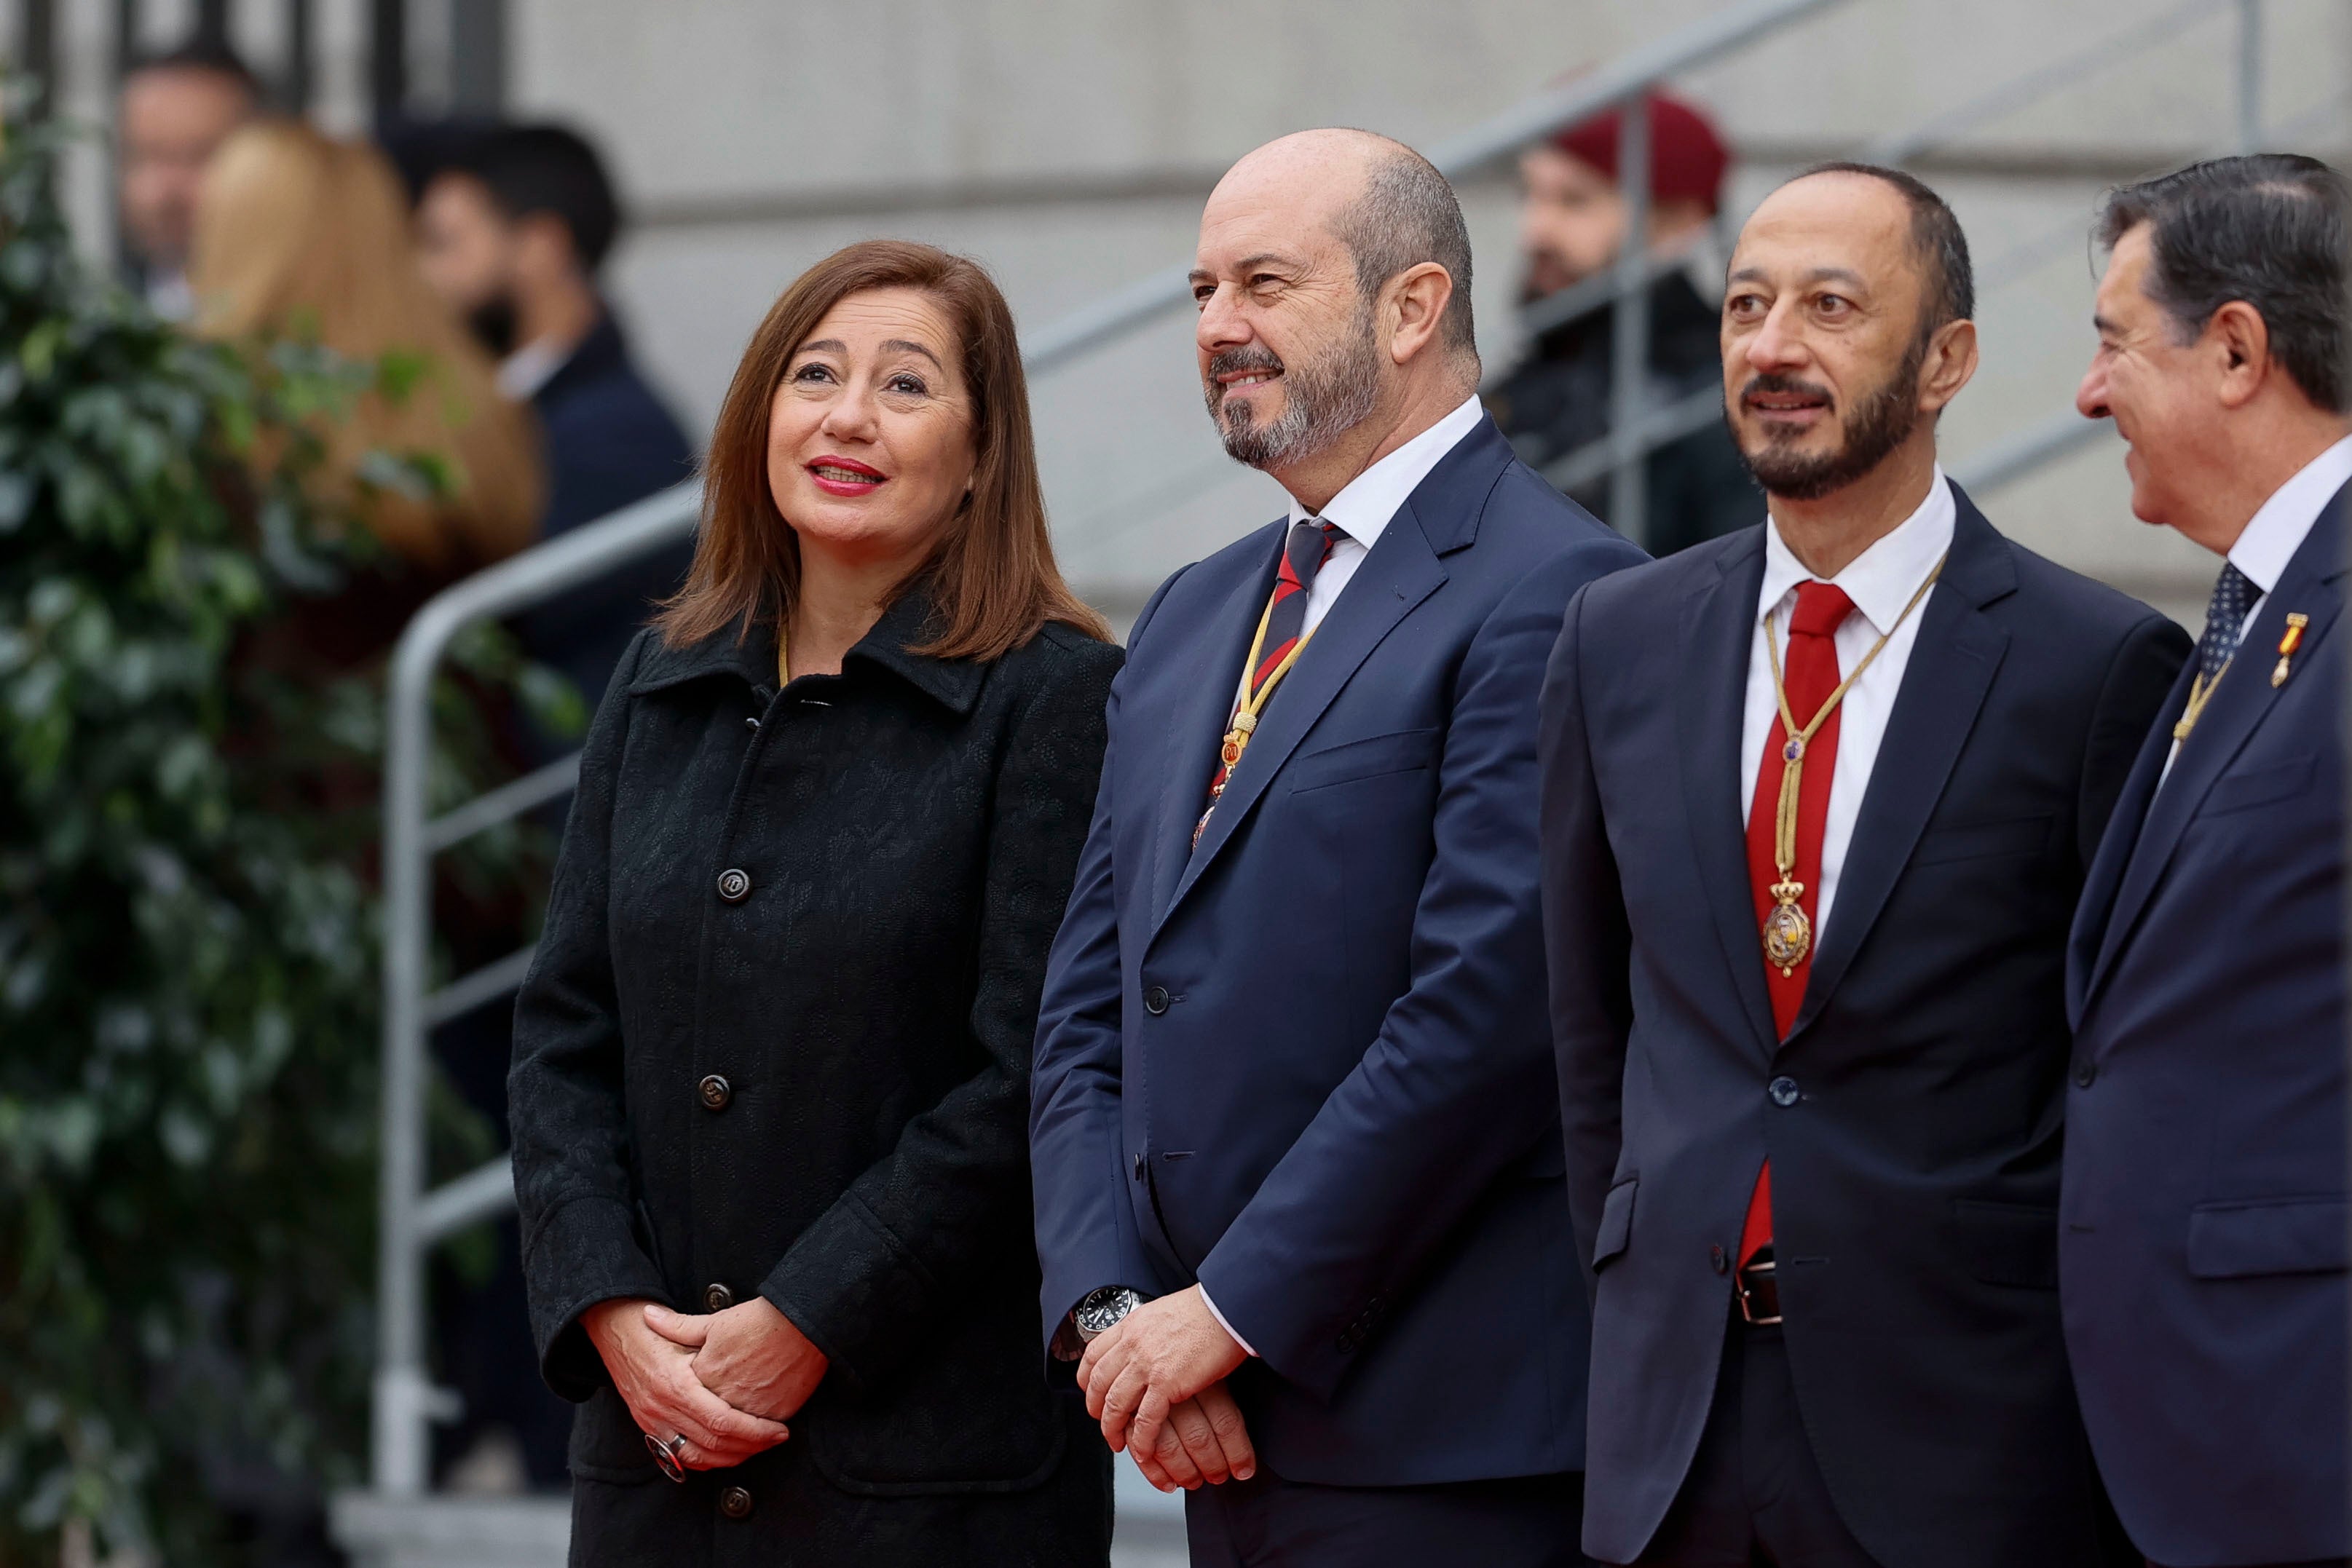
188,1031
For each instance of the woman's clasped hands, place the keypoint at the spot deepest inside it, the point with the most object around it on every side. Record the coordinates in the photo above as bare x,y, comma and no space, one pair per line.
725,1383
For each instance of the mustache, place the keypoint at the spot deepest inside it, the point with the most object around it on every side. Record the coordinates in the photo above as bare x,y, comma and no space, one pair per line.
1225,361
1773,382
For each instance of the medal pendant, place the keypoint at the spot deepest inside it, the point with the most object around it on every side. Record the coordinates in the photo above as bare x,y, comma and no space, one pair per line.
1231,752
2278,675
1788,934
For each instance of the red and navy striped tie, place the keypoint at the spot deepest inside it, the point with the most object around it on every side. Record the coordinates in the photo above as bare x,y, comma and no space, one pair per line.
1309,547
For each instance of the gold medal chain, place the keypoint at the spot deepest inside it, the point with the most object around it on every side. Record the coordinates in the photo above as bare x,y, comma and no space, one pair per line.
1789,890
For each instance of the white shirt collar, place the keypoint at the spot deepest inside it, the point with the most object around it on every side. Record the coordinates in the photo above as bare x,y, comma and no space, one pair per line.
2277,530
531,366
1363,507
1881,579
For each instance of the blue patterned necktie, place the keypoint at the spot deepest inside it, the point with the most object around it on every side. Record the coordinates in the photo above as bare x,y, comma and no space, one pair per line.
2225,621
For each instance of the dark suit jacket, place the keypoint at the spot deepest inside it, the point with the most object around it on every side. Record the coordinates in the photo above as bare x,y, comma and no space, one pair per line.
609,441
2202,1258
1914,1174
1306,1063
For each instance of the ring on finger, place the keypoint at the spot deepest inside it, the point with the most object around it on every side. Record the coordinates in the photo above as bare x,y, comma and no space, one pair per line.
669,1453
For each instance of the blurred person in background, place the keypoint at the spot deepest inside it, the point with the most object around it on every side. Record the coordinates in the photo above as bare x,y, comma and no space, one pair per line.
1572,226
175,110
771,1060
513,228
300,236
2203,1257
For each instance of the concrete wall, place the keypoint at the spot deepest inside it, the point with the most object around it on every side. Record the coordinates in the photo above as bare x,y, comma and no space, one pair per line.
1067,143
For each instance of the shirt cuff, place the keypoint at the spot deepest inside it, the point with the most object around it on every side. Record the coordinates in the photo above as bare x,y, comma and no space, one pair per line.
1226,1326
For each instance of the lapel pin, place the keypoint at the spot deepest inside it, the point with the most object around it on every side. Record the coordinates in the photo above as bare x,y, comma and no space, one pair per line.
2288,644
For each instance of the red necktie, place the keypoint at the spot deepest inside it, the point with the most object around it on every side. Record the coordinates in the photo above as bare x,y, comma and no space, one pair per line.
1809,674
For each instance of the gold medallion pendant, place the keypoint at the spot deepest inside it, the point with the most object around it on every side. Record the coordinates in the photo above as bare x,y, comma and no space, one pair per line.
1788,934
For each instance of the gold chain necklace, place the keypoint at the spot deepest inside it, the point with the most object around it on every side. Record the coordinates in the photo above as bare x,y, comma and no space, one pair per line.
1255,696
1787,931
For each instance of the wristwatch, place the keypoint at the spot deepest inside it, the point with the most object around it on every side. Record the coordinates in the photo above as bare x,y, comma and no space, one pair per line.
1102,1310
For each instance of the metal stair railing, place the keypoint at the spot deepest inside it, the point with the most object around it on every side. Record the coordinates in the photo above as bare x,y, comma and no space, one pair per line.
1636,431
414,1217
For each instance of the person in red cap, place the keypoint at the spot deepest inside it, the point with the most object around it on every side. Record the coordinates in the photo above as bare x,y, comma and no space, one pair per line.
1572,225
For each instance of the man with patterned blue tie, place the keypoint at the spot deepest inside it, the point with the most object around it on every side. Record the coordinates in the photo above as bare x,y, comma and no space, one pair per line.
2203,1244
1297,1168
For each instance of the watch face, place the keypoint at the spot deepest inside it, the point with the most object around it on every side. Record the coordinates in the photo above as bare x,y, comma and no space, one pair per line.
1101,1312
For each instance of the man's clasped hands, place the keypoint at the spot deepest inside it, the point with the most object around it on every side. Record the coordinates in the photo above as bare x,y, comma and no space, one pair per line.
728,1382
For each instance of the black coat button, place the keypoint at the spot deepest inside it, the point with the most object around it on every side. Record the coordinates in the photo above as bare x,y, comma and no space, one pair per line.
750,723
2084,1071
1155,1000
734,885
715,1091
1719,1259
718,1298
1783,1091
735,1503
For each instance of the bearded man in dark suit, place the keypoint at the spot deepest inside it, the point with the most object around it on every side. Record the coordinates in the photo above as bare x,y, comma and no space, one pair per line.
1818,797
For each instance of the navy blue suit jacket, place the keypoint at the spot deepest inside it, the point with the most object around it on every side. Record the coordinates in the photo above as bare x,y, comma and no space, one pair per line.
2203,1251
1914,1134
1306,1063
609,441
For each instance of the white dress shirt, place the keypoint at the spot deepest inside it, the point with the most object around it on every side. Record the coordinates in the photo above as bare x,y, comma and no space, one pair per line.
1361,511
2276,531
1881,581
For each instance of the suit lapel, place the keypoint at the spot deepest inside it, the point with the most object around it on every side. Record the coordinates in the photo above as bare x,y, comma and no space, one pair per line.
1713,698
1190,758
1399,573
2093,913
2239,703
1944,685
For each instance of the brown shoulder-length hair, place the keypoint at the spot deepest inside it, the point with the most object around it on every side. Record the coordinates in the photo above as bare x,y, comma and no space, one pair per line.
992,579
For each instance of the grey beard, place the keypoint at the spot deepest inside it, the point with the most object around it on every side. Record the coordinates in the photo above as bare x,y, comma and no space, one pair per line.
1324,398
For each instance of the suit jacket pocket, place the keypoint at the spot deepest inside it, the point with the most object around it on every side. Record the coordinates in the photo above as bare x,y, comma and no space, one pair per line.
1977,841
1400,751
2008,1243
605,1442
2260,786
1616,1222
2270,1236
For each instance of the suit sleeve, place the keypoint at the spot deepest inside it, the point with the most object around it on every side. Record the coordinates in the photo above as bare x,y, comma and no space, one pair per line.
902,1247
1586,940
570,1127
2139,677
1457,1086
1085,1222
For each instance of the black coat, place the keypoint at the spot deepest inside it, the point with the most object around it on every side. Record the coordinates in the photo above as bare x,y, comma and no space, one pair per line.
777,1039
1557,401
1912,1113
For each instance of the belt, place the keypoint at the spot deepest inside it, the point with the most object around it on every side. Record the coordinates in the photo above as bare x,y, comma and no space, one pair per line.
1758,1288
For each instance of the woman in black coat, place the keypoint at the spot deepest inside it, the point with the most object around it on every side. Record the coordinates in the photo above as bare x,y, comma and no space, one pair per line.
771,1079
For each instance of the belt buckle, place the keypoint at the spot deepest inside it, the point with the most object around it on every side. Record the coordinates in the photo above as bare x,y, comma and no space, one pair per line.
1758,1288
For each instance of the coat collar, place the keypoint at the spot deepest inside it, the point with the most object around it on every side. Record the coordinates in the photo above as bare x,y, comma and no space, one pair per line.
1401,570
751,657
2138,849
